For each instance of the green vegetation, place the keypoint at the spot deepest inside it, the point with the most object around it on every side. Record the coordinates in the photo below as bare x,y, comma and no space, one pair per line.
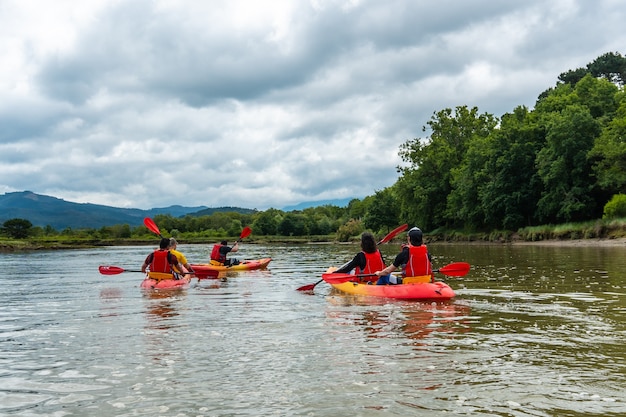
559,163
475,177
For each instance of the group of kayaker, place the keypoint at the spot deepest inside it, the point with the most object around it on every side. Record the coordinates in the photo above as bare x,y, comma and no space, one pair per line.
167,260
414,259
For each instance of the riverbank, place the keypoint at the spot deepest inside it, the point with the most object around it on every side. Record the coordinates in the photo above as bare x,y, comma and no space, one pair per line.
18,246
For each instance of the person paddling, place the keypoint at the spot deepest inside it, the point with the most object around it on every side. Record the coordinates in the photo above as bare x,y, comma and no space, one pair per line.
162,263
367,261
220,252
414,256
182,259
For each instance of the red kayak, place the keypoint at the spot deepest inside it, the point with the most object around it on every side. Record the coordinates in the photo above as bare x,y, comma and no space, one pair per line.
203,271
161,281
165,284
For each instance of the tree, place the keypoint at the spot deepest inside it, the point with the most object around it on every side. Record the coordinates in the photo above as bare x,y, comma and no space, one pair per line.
510,195
17,228
610,66
609,154
293,224
564,168
426,183
267,222
383,212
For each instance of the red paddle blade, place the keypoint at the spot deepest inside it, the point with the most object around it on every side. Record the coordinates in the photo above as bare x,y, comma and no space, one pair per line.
110,270
308,287
151,225
395,232
455,269
245,232
207,274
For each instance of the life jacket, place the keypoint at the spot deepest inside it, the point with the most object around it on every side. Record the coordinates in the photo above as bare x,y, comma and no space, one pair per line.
216,255
418,264
160,262
373,262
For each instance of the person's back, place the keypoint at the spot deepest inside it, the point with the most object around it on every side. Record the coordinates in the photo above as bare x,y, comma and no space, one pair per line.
161,263
414,257
419,262
182,259
219,253
368,261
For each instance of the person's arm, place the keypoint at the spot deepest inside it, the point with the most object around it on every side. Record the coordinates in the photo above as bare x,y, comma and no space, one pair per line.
235,247
350,265
147,262
401,258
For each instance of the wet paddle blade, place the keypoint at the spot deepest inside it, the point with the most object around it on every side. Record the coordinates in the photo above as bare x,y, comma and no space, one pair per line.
455,269
245,232
110,270
308,287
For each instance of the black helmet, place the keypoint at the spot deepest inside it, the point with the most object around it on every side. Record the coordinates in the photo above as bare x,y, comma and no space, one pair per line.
415,236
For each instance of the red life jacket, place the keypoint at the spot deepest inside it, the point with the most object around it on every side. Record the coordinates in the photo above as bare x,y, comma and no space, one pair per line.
160,261
418,263
373,262
216,255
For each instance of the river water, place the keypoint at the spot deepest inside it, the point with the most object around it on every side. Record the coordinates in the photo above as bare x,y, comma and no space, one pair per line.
532,331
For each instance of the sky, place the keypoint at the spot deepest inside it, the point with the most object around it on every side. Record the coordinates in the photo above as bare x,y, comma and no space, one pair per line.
259,104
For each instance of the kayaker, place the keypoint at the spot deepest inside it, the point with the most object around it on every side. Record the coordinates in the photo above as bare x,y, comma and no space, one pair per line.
220,252
162,262
367,261
415,257
182,259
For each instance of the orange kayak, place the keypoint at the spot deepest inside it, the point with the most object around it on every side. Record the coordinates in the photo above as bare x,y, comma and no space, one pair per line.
211,271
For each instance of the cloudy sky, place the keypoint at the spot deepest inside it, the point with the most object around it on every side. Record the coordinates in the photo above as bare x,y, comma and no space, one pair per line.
258,104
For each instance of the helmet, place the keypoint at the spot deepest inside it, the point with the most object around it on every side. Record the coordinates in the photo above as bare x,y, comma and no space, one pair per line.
415,235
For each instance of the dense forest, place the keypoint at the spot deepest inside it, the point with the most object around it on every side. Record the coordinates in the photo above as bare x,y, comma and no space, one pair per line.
563,161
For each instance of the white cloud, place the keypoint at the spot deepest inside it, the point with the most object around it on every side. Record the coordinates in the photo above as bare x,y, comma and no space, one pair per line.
262,104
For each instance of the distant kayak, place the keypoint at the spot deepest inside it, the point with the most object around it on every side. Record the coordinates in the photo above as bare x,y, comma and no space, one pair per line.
203,271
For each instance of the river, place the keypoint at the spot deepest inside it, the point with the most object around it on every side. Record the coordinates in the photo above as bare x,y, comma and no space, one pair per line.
532,331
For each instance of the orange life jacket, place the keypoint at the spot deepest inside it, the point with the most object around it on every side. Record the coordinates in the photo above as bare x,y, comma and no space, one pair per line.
160,261
373,262
216,255
418,263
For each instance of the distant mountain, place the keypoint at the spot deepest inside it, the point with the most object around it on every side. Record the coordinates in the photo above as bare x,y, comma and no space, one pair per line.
341,202
42,210
209,211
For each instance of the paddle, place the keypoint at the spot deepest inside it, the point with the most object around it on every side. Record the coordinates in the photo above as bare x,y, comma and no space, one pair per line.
386,239
244,233
455,269
393,234
151,225
115,270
